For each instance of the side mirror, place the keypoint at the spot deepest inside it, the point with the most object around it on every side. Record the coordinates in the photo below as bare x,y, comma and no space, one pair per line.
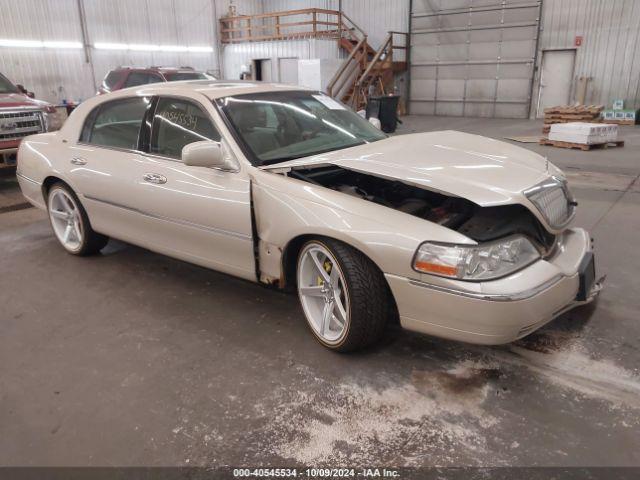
24,91
375,122
208,154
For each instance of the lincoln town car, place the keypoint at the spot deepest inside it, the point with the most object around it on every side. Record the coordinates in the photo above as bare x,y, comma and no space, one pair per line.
450,234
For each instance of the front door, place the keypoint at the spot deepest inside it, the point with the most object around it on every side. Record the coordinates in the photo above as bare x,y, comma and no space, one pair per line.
198,214
556,78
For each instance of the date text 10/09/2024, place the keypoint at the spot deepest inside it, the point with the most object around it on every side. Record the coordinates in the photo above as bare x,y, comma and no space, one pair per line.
315,473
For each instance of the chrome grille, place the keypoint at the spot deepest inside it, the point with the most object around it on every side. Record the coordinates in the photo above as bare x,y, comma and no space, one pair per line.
15,125
554,201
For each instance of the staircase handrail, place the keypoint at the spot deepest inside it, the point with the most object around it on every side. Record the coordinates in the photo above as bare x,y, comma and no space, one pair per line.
339,73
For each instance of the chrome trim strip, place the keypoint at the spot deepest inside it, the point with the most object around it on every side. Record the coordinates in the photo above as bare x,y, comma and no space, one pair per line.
493,297
24,177
186,223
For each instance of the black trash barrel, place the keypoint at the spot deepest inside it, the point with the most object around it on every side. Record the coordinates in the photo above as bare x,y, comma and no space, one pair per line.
385,109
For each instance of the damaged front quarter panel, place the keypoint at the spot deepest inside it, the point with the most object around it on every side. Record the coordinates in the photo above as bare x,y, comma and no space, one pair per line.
286,210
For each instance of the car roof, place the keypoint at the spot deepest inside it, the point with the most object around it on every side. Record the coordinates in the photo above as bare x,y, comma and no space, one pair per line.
210,88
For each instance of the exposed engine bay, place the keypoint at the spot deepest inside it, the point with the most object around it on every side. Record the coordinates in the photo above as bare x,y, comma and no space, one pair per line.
481,224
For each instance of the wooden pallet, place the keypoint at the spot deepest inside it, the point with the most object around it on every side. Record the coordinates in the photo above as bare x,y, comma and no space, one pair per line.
619,122
575,109
580,146
570,118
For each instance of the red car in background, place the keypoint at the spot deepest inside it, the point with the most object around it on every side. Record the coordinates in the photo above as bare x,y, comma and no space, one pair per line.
125,77
21,115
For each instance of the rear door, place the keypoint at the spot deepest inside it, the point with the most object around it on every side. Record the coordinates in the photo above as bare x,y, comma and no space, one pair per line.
100,162
198,214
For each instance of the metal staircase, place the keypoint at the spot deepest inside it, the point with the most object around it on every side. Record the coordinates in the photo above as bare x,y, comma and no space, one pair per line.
365,71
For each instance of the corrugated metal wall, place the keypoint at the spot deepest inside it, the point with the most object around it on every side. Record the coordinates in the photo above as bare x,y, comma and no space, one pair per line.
53,74
238,54
610,50
155,22
56,74
378,17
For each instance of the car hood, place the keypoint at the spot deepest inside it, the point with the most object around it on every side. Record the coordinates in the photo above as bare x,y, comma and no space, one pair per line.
486,171
17,100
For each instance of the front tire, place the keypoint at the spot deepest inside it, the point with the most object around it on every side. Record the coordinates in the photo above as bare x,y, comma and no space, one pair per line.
344,296
70,222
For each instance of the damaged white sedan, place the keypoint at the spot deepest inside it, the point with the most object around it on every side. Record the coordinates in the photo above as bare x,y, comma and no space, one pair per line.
455,235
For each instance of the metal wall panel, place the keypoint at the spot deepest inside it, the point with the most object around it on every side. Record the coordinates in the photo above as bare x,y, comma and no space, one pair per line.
55,74
238,54
473,58
156,22
51,74
610,50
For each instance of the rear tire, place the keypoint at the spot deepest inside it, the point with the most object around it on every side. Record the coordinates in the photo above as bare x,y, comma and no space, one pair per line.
70,222
332,275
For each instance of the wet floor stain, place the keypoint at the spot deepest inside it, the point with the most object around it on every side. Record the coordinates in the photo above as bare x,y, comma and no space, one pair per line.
464,381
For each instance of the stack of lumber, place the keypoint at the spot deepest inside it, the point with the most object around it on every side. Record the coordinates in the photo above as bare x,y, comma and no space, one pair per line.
568,114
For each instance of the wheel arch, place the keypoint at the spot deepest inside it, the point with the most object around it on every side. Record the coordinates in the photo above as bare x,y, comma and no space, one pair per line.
51,180
48,182
289,261
292,248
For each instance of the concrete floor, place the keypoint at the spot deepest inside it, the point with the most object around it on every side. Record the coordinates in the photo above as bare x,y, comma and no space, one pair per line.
132,358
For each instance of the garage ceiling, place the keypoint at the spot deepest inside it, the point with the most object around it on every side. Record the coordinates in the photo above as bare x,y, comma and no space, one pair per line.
473,57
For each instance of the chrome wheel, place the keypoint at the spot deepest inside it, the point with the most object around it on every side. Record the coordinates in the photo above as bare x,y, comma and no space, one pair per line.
323,293
66,220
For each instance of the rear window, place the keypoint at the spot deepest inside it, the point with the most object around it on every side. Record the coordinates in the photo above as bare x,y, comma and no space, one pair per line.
177,76
112,79
140,78
116,124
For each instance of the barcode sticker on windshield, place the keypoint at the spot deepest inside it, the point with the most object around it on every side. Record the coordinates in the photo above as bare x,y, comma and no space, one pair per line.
328,102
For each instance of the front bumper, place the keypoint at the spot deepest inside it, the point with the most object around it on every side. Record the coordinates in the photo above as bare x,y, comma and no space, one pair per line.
498,311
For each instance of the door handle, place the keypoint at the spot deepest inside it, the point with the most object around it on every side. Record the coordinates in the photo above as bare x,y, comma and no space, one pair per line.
78,161
154,178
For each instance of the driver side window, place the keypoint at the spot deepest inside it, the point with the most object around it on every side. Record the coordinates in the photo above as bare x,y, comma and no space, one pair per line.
177,123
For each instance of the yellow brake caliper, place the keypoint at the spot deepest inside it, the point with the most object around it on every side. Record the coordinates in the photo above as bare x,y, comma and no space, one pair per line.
327,268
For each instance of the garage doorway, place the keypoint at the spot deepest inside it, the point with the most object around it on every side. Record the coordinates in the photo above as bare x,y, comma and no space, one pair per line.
556,78
473,58
262,70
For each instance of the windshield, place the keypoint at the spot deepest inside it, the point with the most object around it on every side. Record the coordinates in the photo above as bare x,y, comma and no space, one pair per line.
6,86
279,126
177,76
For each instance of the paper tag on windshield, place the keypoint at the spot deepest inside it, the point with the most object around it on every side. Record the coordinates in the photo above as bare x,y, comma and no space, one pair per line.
328,102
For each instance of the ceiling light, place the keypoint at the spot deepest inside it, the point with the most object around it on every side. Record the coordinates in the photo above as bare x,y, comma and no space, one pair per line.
111,46
9,42
137,47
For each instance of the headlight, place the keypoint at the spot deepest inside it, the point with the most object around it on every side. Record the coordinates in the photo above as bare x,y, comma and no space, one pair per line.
476,262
